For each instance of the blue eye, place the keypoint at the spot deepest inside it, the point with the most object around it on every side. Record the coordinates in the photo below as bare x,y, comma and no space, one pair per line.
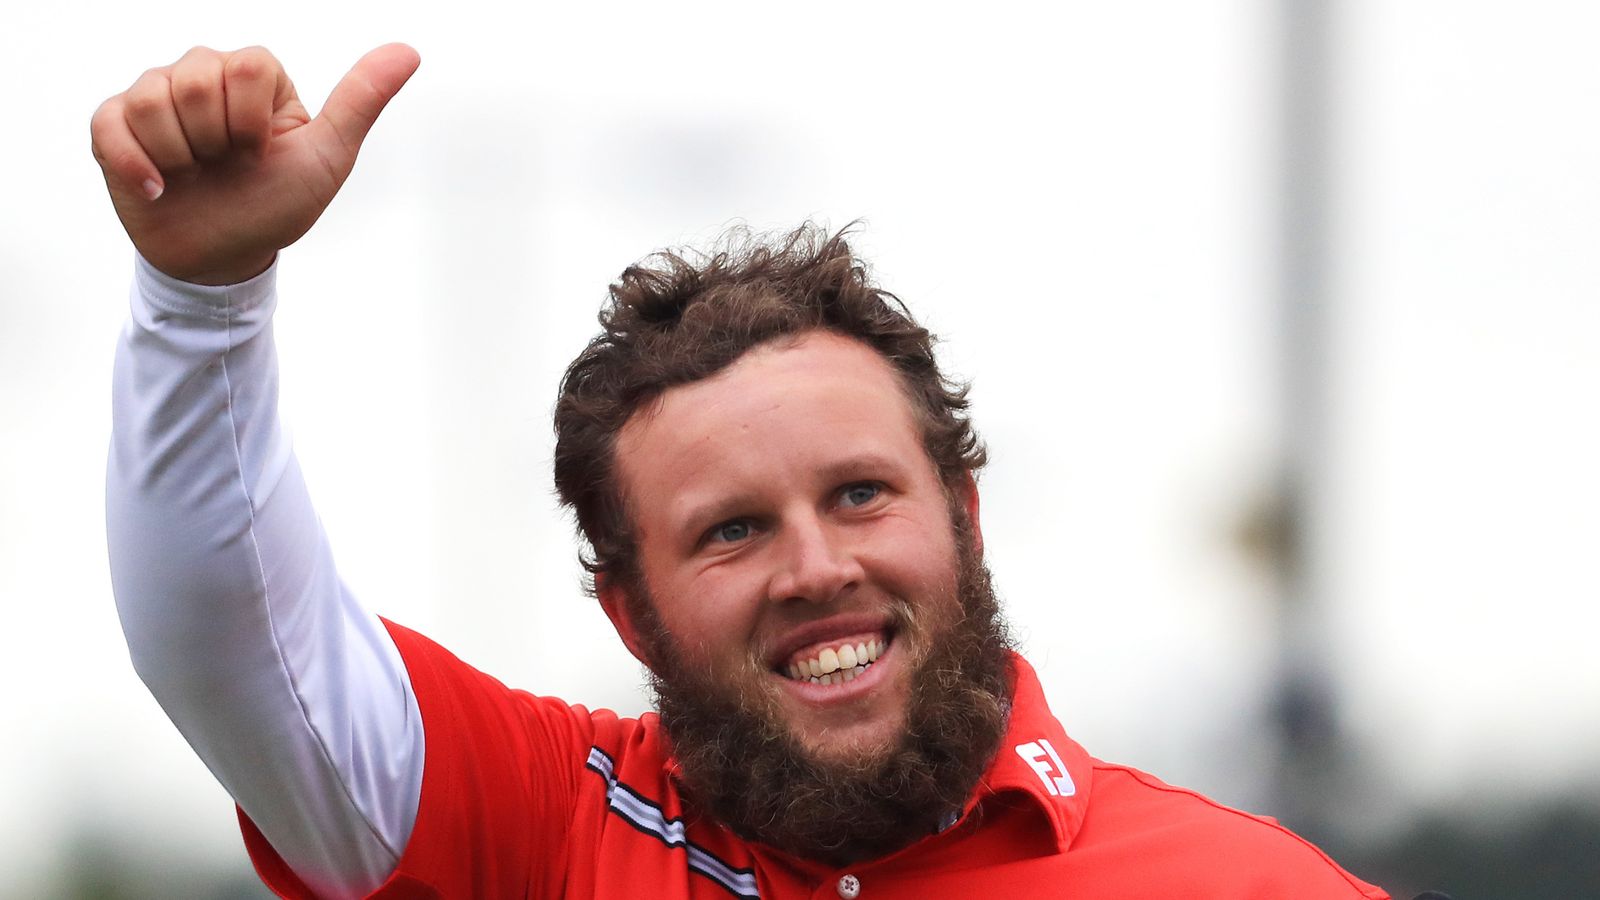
860,494
730,532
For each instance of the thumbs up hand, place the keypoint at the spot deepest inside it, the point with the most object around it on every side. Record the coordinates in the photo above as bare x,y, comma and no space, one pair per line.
214,165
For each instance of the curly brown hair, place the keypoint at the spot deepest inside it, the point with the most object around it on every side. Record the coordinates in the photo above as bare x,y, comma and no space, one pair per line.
680,316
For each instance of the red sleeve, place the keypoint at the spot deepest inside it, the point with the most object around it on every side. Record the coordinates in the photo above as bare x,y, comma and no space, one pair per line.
501,777
1181,835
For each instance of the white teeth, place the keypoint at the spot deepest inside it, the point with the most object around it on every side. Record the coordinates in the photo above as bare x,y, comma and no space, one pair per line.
843,663
829,661
839,677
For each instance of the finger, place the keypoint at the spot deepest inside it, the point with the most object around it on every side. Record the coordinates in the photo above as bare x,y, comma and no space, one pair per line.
123,160
154,122
197,96
253,80
363,93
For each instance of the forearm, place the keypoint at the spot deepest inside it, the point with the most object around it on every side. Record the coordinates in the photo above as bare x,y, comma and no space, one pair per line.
292,694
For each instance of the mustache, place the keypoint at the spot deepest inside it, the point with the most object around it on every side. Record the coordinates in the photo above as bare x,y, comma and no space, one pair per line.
899,616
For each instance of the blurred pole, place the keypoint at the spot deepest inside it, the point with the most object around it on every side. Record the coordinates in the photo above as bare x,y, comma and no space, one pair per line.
1306,785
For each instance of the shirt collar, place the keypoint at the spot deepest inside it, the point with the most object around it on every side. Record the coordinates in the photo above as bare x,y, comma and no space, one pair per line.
1037,760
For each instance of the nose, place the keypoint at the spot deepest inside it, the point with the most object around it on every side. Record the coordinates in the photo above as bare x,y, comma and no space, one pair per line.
814,562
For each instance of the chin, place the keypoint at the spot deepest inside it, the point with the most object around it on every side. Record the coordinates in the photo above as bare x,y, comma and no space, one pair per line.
859,746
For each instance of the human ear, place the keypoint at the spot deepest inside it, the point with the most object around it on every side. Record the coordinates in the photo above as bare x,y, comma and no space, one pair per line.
614,599
967,494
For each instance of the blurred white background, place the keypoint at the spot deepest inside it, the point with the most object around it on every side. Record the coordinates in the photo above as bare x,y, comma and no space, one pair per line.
1085,200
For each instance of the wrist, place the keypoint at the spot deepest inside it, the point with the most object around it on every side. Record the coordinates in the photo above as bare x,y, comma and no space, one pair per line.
223,275
208,272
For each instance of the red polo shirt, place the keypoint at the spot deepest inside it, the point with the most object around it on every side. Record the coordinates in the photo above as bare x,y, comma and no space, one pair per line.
525,796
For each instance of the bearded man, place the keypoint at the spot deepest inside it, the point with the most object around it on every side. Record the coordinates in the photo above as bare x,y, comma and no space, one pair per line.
777,488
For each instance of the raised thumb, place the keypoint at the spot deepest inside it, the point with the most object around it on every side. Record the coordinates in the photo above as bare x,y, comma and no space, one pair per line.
365,90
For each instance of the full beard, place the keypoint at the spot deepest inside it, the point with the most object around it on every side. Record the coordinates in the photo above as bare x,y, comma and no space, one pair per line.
740,764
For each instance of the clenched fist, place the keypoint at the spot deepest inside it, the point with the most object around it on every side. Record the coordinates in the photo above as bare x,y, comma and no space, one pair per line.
214,165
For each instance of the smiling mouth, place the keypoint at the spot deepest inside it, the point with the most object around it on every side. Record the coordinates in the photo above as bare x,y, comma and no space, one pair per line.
836,664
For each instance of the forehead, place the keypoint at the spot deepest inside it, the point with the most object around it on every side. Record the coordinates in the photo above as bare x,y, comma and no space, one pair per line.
779,412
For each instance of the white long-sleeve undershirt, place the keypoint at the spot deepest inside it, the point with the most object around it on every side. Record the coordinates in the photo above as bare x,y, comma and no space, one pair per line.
291,693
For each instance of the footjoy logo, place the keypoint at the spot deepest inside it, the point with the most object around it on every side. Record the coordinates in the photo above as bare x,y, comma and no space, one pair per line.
1044,760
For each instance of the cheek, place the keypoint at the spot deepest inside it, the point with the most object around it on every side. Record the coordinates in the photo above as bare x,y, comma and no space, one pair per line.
917,559
712,615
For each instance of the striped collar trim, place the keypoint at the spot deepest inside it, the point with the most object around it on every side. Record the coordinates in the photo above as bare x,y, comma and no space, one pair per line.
646,816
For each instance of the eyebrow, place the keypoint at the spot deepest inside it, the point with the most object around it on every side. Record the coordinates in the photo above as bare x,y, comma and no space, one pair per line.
697,515
691,515
866,464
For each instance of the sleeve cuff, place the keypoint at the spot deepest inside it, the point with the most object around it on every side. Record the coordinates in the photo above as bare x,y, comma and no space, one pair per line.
181,298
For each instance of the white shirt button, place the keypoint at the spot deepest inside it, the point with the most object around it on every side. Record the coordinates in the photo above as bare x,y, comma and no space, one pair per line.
849,887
